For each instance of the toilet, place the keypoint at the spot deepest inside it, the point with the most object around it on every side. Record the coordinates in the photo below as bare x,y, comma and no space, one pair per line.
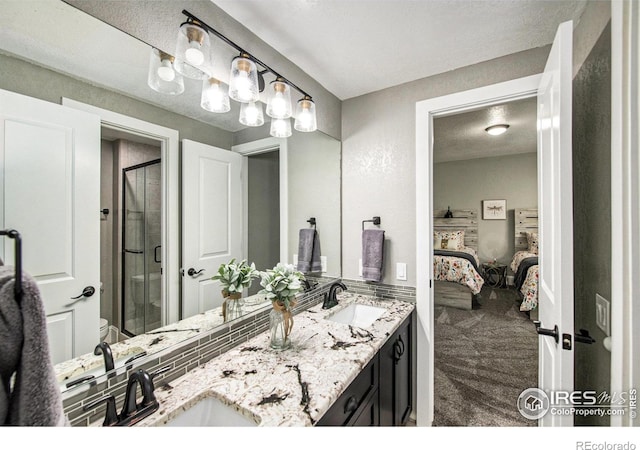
104,329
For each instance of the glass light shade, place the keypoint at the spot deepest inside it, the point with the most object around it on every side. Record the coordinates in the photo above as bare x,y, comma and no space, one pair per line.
251,114
214,96
281,128
279,101
496,130
193,51
305,115
243,80
162,76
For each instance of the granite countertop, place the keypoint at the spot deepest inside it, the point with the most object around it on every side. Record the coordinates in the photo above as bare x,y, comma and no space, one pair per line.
294,387
153,341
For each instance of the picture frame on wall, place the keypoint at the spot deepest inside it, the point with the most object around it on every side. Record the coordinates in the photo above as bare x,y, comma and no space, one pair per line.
494,209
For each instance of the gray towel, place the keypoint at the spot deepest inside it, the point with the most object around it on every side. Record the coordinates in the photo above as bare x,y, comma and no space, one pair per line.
309,251
33,398
372,254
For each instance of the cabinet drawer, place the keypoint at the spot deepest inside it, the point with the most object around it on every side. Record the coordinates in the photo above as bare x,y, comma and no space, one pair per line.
353,397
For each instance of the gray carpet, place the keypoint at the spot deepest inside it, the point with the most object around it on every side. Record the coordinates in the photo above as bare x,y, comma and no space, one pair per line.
484,359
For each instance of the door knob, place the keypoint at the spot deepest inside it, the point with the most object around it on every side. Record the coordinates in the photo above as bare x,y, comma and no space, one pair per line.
547,332
86,292
584,337
192,272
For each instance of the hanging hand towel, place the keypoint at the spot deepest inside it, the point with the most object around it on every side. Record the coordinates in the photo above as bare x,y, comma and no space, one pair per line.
372,254
34,399
309,251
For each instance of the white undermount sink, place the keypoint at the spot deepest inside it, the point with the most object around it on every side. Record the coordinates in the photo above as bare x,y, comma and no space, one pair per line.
211,412
357,315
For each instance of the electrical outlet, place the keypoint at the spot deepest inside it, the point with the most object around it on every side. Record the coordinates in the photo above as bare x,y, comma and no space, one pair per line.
323,262
401,271
603,311
360,267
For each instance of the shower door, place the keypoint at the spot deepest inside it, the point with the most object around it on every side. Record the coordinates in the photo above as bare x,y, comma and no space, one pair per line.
141,245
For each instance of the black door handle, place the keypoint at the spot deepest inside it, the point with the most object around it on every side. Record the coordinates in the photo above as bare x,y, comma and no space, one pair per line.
584,337
547,332
86,292
192,272
156,259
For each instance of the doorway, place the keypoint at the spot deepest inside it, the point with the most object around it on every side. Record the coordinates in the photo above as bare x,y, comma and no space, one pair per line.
486,351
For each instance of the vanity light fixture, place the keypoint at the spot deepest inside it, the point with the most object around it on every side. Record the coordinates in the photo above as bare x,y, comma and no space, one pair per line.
246,81
280,128
214,96
306,115
243,80
251,114
279,102
193,50
162,76
496,130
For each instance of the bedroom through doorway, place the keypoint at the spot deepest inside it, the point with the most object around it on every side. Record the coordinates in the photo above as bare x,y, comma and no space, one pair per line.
485,264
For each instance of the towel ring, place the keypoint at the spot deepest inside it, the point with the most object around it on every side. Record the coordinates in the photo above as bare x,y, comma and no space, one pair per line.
375,220
312,222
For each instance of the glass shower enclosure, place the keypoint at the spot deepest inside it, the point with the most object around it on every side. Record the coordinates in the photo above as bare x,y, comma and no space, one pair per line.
141,248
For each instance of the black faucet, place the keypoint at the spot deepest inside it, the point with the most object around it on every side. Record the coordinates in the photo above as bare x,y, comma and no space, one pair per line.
330,299
104,349
132,411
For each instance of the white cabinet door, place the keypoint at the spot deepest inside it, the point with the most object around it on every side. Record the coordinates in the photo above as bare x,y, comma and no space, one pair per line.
50,190
211,221
555,197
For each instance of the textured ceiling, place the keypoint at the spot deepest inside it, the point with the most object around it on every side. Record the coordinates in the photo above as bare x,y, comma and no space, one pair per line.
353,47
463,136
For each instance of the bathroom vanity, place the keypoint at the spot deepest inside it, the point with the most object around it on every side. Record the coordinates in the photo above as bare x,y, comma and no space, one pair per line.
335,373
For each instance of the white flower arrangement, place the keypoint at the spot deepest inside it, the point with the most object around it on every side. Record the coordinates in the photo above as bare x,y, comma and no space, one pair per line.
281,284
235,277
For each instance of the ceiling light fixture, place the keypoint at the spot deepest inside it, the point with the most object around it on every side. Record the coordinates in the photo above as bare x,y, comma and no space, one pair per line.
162,75
496,130
246,81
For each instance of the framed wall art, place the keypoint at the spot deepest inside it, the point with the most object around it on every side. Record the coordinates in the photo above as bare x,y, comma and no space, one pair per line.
494,209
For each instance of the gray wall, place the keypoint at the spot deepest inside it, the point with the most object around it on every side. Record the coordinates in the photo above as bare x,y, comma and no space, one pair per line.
107,261
378,151
314,191
592,213
28,79
264,212
464,184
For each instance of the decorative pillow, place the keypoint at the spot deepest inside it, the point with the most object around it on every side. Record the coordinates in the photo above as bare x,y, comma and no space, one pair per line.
532,241
448,240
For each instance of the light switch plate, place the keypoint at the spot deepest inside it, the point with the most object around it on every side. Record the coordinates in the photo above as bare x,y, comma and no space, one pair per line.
323,262
401,271
360,267
603,311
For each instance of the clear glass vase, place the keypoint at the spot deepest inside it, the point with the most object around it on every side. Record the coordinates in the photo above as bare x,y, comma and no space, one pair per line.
279,336
235,308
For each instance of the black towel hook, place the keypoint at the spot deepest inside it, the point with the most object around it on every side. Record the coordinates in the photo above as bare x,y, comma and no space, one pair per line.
375,220
17,286
312,222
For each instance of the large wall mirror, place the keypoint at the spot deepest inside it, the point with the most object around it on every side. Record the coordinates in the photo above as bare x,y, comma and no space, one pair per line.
50,50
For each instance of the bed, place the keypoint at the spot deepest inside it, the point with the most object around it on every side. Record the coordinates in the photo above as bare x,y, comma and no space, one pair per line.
456,268
525,260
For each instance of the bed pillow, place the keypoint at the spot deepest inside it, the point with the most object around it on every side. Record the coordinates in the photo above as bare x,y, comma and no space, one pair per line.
448,240
532,242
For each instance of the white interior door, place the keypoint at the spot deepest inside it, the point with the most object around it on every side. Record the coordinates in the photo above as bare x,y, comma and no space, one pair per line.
555,197
211,221
50,186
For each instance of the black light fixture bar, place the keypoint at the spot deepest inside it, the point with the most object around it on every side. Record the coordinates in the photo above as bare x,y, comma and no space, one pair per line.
242,51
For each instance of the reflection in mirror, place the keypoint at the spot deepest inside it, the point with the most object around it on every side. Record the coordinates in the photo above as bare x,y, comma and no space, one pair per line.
42,63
